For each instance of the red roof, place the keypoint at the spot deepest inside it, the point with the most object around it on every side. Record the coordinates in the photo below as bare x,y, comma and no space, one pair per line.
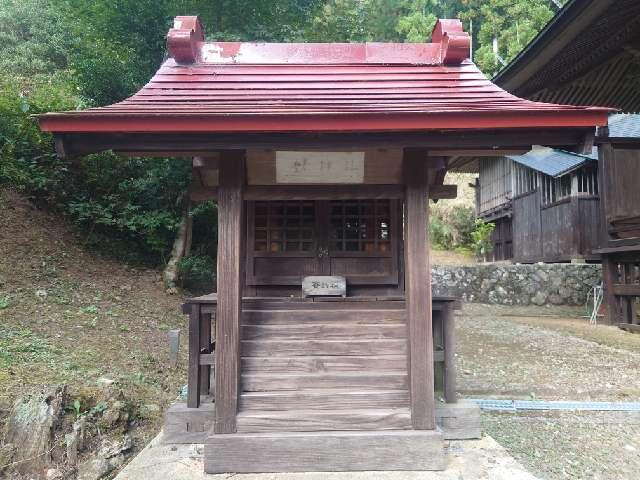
320,87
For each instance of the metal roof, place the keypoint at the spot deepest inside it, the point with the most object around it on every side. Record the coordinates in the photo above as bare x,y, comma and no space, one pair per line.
553,162
624,126
366,87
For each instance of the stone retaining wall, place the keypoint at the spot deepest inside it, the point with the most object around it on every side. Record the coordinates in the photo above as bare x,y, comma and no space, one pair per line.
505,284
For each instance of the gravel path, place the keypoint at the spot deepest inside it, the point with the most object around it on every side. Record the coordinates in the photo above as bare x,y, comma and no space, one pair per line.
553,354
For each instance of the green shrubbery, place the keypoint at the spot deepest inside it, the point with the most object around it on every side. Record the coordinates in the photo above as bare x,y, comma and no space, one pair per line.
456,228
197,270
128,207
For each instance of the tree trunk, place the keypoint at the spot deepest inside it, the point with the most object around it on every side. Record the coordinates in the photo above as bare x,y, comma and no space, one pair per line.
181,247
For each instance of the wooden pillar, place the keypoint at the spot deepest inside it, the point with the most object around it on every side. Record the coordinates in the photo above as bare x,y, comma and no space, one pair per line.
449,337
418,290
193,377
609,277
230,281
205,347
605,163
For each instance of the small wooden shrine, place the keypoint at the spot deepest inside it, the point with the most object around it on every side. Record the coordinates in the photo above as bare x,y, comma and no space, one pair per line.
322,158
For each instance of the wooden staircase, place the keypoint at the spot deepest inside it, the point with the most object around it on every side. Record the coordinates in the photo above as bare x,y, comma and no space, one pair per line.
324,370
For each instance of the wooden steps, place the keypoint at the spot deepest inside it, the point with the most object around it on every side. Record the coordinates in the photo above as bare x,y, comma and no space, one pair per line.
323,331
331,369
268,348
298,316
324,399
252,382
368,451
324,420
325,364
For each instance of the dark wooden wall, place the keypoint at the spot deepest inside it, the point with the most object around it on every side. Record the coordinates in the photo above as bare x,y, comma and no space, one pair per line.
502,239
620,181
527,245
589,217
556,233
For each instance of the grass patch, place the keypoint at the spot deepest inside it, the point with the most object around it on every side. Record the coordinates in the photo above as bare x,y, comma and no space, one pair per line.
22,345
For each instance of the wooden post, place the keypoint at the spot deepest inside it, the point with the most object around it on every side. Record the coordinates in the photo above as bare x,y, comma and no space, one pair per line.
193,376
449,336
609,277
230,266
205,347
418,290
605,162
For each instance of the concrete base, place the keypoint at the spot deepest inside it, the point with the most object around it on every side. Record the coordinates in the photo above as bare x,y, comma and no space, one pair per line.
459,421
188,425
469,459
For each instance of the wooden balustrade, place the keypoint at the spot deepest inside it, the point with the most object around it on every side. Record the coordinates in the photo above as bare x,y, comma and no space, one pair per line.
623,281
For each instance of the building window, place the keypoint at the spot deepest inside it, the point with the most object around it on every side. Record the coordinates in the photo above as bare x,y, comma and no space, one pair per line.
555,189
360,226
588,181
526,180
284,226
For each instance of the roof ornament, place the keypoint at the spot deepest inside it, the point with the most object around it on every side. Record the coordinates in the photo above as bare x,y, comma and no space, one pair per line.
185,39
455,43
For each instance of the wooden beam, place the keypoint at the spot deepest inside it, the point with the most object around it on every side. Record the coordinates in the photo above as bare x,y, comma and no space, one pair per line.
491,152
628,290
190,144
229,311
418,290
443,191
585,147
202,194
322,192
211,161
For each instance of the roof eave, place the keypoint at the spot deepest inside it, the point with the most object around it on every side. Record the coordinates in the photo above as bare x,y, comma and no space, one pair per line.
348,122
562,29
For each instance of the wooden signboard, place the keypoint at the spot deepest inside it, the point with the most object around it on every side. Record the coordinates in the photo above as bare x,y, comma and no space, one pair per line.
319,167
324,286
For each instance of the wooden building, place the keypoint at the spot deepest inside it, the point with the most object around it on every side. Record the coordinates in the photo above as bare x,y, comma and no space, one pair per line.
589,54
322,158
619,157
543,203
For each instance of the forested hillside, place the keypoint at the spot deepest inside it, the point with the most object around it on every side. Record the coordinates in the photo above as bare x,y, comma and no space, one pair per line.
69,54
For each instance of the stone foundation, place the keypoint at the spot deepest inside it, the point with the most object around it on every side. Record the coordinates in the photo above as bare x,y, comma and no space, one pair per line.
506,284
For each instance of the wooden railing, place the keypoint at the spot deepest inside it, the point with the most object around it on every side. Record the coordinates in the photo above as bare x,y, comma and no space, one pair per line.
624,292
201,374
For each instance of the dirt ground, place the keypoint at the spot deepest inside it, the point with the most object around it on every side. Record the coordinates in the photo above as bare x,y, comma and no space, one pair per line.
69,316
554,354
